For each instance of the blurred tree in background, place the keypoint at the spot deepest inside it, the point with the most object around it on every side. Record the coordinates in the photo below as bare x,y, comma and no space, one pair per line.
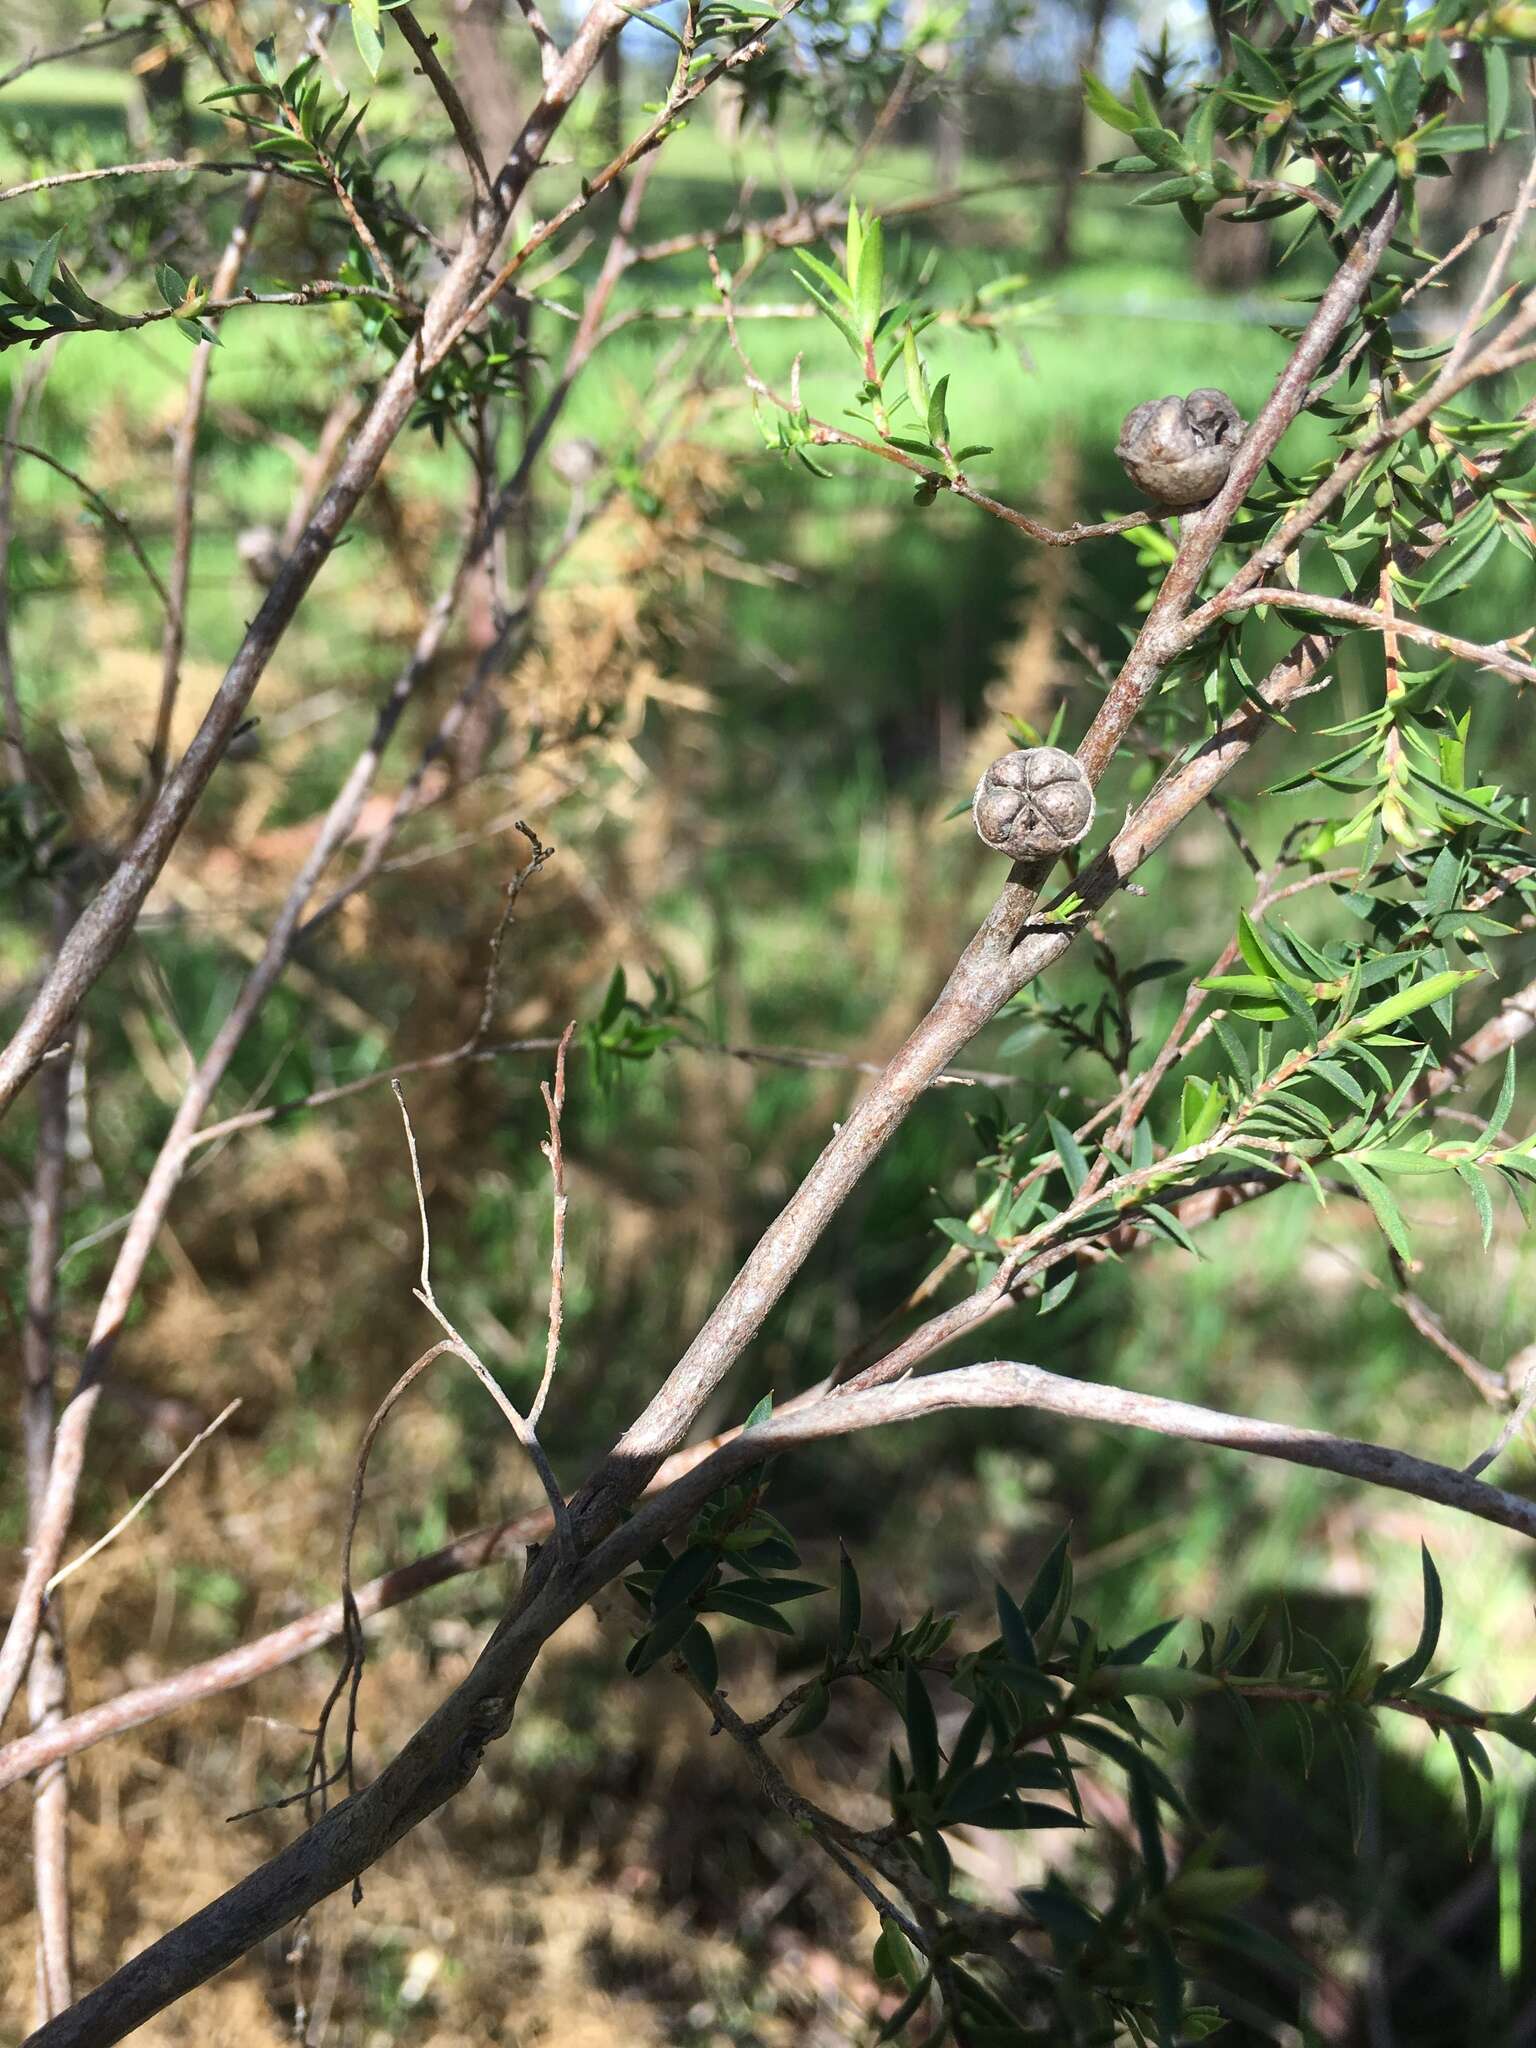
521,533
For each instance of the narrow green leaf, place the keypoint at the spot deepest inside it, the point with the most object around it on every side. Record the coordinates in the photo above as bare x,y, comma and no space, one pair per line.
1262,956
1163,147
1382,1206
1496,77
1200,1108
896,1953
812,1712
777,1592
760,1412
1103,103
1400,1159
1465,564
922,1731
912,364
697,1650
1018,1640
665,1636
1143,1799
42,265
849,1604
365,33
1407,1001
1074,1163
938,416
681,1580
829,277
1471,1790
869,281
1045,1588
1354,1777
1401,1677
1482,1201
1372,186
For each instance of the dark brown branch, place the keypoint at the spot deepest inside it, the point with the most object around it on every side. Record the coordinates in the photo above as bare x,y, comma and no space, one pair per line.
424,50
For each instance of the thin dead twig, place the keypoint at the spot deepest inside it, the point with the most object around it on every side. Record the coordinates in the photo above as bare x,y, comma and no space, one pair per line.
1494,655
538,855
554,1151
125,1521
424,49
97,37
1521,1371
318,1780
1493,279
99,505
155,167
432,1063
522,1429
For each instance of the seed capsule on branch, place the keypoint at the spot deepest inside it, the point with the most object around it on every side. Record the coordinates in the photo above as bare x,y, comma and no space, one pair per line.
1178,450
1034,801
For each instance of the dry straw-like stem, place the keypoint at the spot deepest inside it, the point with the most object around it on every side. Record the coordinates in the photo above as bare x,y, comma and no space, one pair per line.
150,167
318,1779
126,1521
522,1426
538,855
553,1149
